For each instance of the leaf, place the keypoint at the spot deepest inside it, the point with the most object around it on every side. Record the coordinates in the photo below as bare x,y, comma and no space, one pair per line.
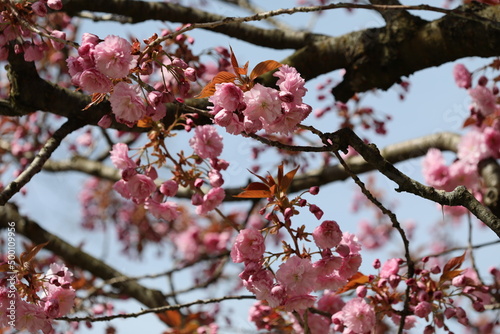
454,263
242,71
234,62
255,190
451,270
469,121
29,255
172,318
287,179
264,67
221,77
355,281
146,122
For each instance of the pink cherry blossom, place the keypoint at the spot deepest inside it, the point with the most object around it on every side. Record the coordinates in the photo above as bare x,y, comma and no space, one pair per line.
113,57
140,187
389,268
169,188
59,274
206,143
227,96
297,275
166,210
435,170
55,4
291,82
58,301
262,103
351,241
32,318
58,34
299,302
121,187
472,147
483,99
357,316
127,104
211,200
423,309
119,157
327,235
248,246
463,77
94,81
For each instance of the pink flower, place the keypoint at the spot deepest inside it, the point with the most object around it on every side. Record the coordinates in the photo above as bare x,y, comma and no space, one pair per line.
58,274
166,210
211,200
297,275
32,318
55,4
262,103
462,76
472,147
423,309
351,241
215,178
119,157
483,99
357,316
58,34
350,265
227,96
94,81
492,141
127,104
206,143
434,169
89,41
121,187
390,267
291,82
169,188
299,302
140,187
32,52
59,301
39,8
327,235
249,246
113,57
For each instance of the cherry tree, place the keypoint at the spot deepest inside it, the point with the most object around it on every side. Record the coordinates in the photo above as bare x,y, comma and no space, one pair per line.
149,114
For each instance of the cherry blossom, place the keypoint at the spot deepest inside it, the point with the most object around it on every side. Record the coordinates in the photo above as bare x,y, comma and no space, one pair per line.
113,57
206,143
248,246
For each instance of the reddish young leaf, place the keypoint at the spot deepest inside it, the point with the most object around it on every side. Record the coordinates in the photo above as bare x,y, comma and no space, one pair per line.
355,281
451,270
287,179
264,67
172,318
255,190
30,254
469,121
146,122
221,77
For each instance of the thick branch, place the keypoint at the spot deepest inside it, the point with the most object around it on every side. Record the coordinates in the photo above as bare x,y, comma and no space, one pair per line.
379,57
395,153
460,196
140,11
77,257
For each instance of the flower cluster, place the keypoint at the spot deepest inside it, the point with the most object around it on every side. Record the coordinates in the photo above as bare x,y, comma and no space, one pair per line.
48,297
292,285
28,43
275,111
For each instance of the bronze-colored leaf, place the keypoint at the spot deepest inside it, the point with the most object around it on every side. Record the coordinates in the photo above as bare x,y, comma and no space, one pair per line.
221,77
30,254
264,67
355,281
287,179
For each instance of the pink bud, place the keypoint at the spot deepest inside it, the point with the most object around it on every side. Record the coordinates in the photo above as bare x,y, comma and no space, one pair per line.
197,199
198,182
376,263
314,190
314,209
361,291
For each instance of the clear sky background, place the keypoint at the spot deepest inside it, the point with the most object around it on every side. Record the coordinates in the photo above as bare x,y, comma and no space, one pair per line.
433,104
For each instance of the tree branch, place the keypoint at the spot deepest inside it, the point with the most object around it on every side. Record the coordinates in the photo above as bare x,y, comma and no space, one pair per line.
36,165
460,196
77,257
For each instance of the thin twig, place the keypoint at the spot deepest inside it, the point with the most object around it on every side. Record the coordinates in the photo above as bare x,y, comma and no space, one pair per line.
155,309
